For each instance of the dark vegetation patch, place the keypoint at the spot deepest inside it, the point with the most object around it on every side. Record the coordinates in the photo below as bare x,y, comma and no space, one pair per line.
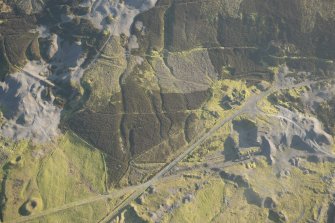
186,27
115,169
257,38
17,47
101,130
4,63
165,122
230,63
269,25
325,112
174,102
273,33
158,153
195,99
142,132
16,42
149,128
14,24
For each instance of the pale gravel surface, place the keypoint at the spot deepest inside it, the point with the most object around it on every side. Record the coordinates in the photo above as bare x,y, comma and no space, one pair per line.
29,115
124,14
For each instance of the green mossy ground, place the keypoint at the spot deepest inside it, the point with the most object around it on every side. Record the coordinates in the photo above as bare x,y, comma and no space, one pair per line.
53,174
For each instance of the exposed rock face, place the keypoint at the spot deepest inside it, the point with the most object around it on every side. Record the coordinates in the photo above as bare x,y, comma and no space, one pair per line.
53,46
4,8
29,114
